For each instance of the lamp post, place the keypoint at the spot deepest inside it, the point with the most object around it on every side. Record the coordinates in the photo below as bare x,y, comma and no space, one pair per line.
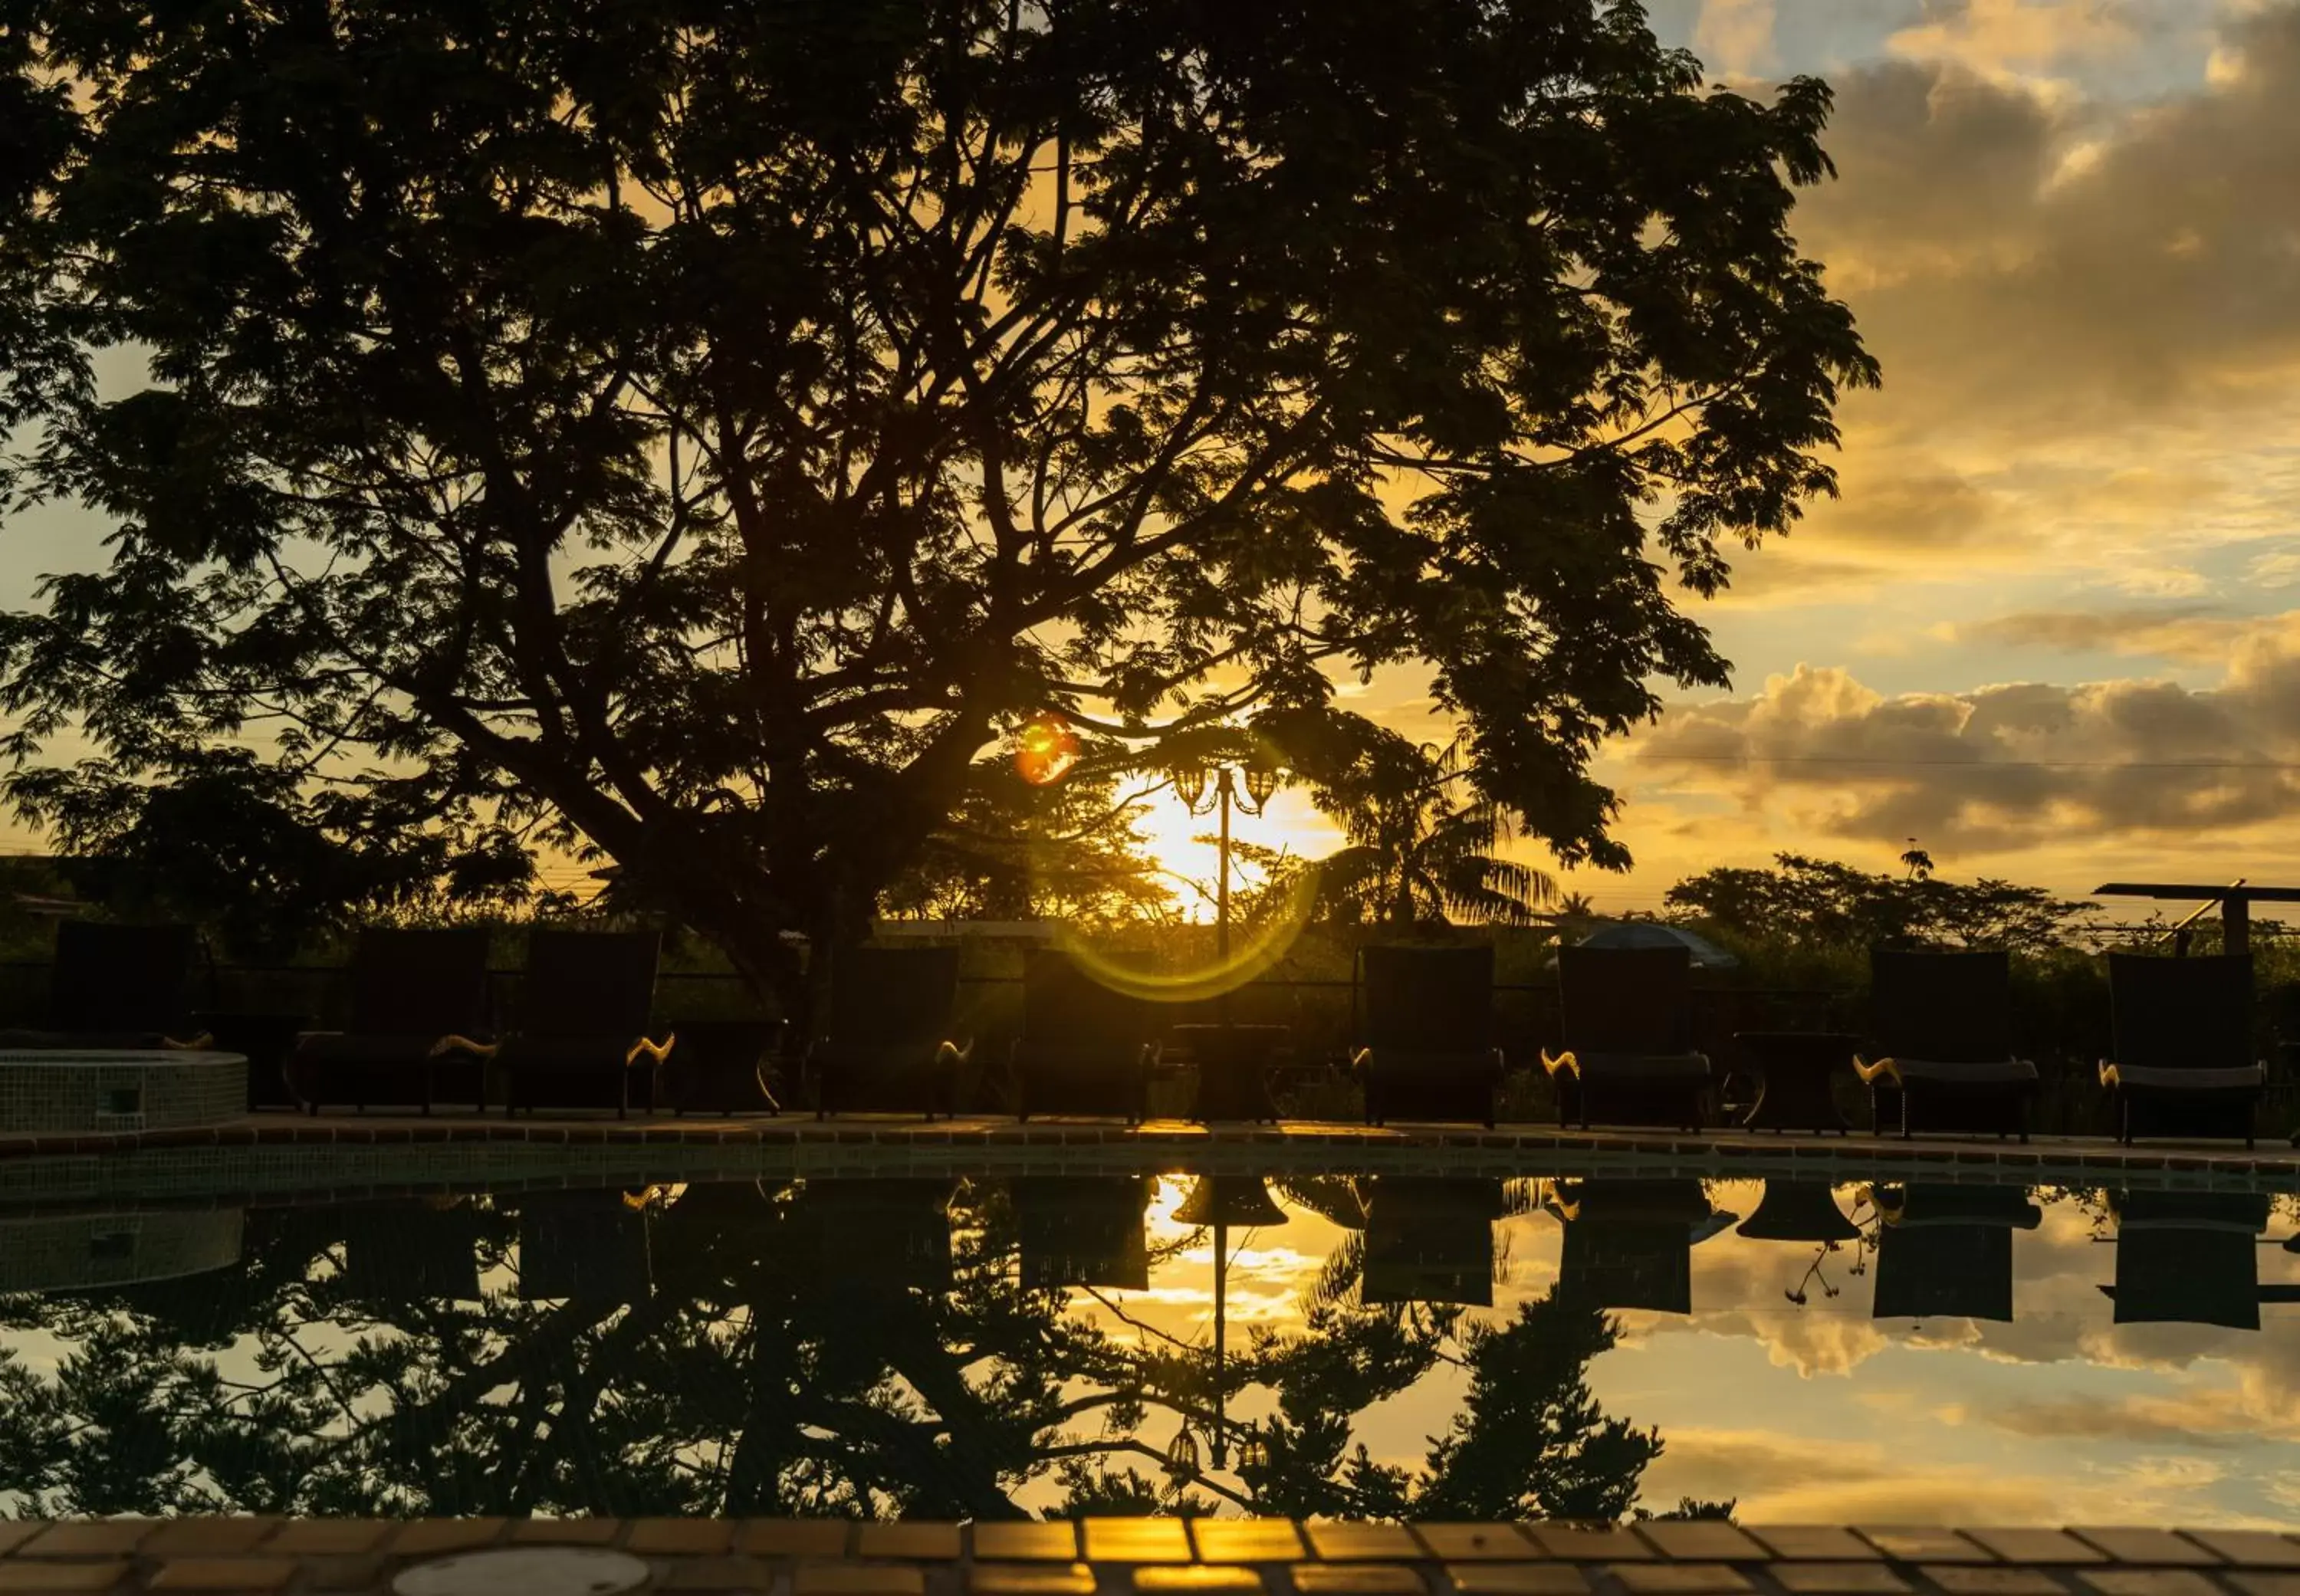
1222,1200
1261,778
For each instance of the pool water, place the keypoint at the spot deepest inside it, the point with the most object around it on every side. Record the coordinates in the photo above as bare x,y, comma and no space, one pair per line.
954,1348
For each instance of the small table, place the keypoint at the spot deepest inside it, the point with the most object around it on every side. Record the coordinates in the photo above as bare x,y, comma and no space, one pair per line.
719,1066
1234,1068
1796,1067
265,1037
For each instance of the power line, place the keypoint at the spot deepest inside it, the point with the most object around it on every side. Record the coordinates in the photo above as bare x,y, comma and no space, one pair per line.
1973,764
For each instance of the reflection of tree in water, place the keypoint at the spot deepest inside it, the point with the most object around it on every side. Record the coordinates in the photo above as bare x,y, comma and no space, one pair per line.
843,1350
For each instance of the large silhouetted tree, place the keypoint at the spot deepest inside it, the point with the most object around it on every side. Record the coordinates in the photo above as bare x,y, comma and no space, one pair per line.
696,430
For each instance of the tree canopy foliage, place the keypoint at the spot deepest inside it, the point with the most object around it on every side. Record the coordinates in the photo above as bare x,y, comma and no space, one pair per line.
1822,903
692,432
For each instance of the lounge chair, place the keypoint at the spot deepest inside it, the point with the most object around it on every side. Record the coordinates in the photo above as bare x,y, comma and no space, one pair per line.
116,987
583,1030
1946,1252
2190,1258
1429,1031
419,1013
1083,1230
1628,1243
585,1247
2185,1062
887,1047
1943,1028
1629,1057
1430,1241
1084,1048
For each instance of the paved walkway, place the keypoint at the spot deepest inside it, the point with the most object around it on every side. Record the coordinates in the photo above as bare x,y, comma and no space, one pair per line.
1153,1556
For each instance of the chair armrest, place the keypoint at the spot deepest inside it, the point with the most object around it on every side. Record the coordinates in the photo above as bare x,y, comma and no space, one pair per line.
1882,1069
952,1052
453,1043
1561,1063
654,1052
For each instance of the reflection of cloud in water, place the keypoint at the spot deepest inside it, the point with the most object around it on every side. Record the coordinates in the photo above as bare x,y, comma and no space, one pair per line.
1821,1413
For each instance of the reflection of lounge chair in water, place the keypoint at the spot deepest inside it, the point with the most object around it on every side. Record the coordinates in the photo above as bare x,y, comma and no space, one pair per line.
1430,1241
2190,1258
586,1247
1083,1230
1628,1243
1946,1252
395,1253
1797,1211
881,1233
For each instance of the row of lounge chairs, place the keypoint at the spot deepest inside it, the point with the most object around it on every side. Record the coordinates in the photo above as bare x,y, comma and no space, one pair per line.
1941,1250
421,1031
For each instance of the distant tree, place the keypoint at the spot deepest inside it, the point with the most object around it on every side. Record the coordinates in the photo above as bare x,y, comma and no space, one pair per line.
1424,843
1825,904
697,432
1919,863
1017,849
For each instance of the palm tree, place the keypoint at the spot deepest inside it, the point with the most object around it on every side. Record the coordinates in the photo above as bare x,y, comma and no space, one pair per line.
1425,847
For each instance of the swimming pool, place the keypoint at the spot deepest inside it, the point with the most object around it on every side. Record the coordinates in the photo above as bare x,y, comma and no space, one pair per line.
980,1346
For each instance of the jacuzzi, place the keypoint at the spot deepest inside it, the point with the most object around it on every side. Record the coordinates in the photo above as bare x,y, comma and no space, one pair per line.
62,1091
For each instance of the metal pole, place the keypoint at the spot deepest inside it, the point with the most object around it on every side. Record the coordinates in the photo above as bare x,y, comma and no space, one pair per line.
1221,1276
1222,888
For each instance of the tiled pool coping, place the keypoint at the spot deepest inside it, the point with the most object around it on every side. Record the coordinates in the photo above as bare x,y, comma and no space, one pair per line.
1153,1556
272,1157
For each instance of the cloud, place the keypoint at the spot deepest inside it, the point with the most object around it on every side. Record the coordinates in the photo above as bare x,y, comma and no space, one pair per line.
2192,632
2005,767
1735,37
2013,258
2019,38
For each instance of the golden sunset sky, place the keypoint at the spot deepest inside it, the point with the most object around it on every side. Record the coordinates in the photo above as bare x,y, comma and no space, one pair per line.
2053,627
2065,571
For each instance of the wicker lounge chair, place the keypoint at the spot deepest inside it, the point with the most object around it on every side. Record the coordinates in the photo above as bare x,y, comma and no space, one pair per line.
1628,1243
1430,1241
2190,1258
1083,1230
1946,1252
889,1047
583,1030
2185,1062
1943,1028
587,1247
1429,1031
419,1011
116,987
1629,1057
1084,1048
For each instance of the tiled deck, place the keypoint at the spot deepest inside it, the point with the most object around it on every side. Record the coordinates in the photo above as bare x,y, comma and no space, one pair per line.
1205,1557
269,1156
